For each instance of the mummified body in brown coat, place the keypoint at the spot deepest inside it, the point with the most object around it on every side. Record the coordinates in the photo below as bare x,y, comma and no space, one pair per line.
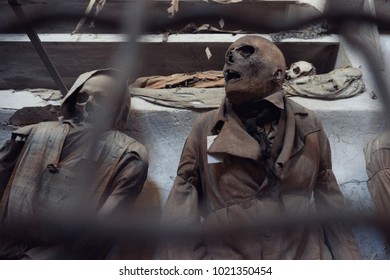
259,156
71,169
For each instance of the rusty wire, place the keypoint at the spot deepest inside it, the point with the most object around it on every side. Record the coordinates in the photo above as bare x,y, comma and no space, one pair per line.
135,23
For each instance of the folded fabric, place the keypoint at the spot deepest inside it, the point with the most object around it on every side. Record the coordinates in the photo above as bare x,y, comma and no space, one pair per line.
207,79
337,84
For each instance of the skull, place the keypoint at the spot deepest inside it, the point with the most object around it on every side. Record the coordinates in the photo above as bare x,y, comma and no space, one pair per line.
300,68
254,68
98,100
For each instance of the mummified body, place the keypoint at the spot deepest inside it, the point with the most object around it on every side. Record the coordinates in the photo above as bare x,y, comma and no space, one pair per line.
71,168
259,156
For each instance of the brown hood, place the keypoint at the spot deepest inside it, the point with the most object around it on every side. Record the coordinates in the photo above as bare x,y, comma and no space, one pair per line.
69,101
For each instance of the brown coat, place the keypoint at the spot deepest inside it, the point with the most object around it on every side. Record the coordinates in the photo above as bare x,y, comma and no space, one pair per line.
235,189
377,155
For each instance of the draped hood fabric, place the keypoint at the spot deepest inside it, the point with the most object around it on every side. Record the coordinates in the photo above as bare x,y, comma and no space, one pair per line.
68,103
221,181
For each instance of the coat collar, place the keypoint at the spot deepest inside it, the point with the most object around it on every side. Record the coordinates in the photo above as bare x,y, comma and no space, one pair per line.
277,99
234,140
232,137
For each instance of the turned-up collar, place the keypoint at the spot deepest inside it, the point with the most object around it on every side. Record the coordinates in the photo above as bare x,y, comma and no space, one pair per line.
225,109
277,99
233,139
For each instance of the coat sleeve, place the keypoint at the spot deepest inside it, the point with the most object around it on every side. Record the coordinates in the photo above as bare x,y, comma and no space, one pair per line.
127,183
128,180
328,197
377,156
9,154
182,207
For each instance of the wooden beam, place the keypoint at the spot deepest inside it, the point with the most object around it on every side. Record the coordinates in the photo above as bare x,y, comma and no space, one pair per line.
36,42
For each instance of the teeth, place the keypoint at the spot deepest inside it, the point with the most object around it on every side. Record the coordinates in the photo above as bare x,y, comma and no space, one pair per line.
231,75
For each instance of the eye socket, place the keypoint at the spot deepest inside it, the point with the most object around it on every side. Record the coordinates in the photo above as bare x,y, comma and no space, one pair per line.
246,51
82,97
297,70
100,99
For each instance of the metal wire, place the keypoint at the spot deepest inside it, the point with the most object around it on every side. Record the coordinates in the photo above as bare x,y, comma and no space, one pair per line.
136,22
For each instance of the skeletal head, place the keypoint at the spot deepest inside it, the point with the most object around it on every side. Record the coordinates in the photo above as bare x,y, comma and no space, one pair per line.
99,100
254,68
300,68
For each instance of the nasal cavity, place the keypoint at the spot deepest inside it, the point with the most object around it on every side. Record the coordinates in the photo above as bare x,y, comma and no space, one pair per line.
229,57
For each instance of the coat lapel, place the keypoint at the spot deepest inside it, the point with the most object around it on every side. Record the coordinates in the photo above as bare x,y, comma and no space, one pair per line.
232,138
235,141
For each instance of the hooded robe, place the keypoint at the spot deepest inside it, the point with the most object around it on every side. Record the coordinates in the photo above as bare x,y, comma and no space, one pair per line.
56,168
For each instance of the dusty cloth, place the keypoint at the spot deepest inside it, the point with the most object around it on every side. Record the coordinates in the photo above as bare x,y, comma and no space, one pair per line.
207,79
174,6
337,84
204,28
377,155
227,182
207,28
310,31
154,89
183,98
48,178
34,115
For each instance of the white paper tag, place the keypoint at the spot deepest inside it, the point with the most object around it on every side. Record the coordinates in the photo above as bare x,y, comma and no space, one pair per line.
208,53
212,158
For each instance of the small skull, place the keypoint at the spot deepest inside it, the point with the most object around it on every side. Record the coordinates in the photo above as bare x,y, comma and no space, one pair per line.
87,104
98,100
300,68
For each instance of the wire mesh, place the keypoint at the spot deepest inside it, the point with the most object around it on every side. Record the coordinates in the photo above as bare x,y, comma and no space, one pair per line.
134,23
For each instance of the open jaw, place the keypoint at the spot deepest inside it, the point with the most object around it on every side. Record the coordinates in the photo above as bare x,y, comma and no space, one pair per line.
231,75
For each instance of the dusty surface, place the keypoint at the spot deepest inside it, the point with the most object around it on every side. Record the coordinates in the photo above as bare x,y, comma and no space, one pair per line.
5,128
